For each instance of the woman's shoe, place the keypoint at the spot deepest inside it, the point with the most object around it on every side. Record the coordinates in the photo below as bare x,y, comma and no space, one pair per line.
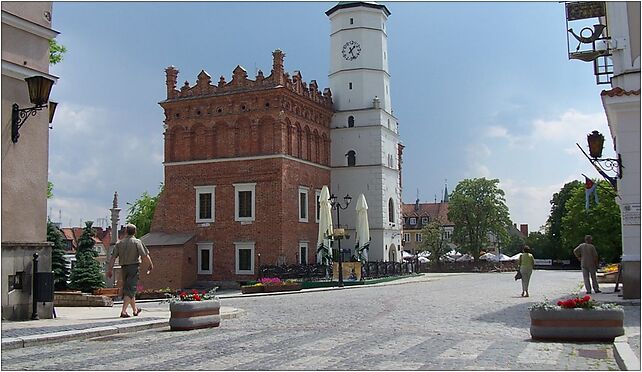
124,315
137,311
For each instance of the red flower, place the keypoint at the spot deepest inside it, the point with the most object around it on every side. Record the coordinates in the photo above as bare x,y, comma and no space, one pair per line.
183,294
197,297
559,303
194,291
587,298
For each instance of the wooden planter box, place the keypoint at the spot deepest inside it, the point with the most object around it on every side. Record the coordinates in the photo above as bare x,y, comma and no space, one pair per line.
607,277
188,315
577,324
110,292
253,289
283,287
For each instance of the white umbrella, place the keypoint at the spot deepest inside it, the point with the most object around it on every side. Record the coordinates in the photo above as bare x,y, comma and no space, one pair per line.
503,257
515,257
324,252
465,257
363,229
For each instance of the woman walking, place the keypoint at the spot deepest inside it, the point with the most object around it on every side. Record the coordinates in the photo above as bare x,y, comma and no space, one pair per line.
526,264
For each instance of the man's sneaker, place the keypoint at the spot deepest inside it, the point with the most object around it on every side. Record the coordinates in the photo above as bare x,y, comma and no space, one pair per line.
598,291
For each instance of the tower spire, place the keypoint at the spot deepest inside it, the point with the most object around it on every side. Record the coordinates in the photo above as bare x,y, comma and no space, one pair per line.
445,199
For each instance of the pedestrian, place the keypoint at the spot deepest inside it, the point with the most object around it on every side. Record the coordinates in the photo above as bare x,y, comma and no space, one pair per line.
526,263
129,252
587,254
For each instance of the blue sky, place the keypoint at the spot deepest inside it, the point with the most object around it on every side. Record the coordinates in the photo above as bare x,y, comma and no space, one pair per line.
480,90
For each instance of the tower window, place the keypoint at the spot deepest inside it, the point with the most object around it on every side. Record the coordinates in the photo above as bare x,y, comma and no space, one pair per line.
350,121
349,85
352,158
391,210
351,21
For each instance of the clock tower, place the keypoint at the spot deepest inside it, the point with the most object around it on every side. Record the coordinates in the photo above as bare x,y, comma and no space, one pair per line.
365,148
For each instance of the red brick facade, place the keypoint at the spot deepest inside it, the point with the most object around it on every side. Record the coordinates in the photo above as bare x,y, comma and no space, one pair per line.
273,132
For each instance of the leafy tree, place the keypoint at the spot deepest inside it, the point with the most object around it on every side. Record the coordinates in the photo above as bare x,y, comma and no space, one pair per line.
86,275
58,262
49,190
541,245
515,244
141,213
477,208
554,221
602,221
434,241
56,52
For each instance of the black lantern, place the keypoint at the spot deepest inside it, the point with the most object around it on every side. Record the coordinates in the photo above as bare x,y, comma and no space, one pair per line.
334,204
39,89
602,165
596,144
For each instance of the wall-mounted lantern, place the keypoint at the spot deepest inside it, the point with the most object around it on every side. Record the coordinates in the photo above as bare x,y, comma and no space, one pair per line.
39,90
595,141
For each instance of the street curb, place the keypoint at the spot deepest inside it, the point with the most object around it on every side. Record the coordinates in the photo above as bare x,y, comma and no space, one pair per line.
624,355
9,343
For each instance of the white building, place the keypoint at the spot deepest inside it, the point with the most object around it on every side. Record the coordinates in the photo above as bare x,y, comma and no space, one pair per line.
622,106
365,149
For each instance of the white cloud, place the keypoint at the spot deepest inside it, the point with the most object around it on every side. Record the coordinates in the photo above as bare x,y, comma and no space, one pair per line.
475,157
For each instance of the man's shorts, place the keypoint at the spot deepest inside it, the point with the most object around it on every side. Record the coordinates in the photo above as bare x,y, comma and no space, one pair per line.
130,279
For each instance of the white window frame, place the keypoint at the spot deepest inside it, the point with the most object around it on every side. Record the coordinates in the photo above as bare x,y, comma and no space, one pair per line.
424,220
304,244
209,247
417,237
204,190
303,190
317,196
413,221
238,187
406,237
237,247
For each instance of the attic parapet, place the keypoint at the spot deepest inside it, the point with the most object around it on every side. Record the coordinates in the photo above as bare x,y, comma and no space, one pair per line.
240,82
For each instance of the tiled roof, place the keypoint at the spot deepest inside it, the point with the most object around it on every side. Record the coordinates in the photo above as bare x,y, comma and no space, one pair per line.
618,92
431,210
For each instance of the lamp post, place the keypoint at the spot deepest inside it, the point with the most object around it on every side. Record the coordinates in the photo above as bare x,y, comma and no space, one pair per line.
595,141
335,204
39,89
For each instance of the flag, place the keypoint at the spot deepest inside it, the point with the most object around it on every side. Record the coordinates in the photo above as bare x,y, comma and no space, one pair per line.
590,187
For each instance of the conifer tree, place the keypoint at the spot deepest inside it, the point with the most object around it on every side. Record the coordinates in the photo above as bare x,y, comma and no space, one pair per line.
86,275
58,262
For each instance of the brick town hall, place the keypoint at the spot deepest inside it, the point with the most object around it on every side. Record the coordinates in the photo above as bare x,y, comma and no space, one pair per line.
245,160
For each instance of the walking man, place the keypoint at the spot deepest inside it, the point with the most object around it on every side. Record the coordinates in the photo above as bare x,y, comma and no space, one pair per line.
129,251
587,254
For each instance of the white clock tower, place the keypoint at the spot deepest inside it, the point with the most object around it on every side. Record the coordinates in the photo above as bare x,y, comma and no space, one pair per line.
364,135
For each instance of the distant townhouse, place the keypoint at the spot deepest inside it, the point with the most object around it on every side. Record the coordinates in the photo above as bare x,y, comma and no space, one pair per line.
418,215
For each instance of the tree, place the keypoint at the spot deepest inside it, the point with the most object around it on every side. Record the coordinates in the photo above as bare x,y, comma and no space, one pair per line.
554,221
541,245
58,262
515,244
434,241
141,213
602,221
86,275
477,208
56,52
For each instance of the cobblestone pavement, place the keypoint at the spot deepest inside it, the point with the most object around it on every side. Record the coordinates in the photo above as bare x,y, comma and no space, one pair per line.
459,322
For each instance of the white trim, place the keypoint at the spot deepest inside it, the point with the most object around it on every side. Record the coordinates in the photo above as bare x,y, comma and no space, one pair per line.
417,237
28,26
205,190
406,237
244,187
410,221
237,247
21,72
317,194
304,190
205,247
261,157
304,244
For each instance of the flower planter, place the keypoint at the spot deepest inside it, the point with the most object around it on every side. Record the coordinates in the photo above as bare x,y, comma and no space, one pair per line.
607,277
188,315
252,289
577,324
283,287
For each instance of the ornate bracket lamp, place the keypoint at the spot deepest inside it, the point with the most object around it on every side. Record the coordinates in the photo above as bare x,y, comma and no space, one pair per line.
596,145
340,233
39,90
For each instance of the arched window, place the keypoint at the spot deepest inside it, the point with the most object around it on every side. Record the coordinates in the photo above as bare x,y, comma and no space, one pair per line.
352,158
391,211
350,121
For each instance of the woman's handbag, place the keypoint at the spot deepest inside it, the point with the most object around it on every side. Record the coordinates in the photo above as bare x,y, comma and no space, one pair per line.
518,275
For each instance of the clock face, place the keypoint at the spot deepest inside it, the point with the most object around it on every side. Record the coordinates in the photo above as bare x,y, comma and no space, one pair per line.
351,50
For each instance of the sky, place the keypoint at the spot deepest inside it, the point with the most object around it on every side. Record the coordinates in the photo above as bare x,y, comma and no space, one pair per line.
480,89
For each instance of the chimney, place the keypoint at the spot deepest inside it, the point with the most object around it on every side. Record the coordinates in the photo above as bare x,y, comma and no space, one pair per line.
524,229
417,205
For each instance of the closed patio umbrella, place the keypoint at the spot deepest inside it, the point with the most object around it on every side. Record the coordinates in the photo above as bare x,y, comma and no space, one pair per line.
324,251
363,230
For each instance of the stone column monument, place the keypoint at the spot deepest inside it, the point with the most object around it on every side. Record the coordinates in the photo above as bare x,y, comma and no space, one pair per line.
115,212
